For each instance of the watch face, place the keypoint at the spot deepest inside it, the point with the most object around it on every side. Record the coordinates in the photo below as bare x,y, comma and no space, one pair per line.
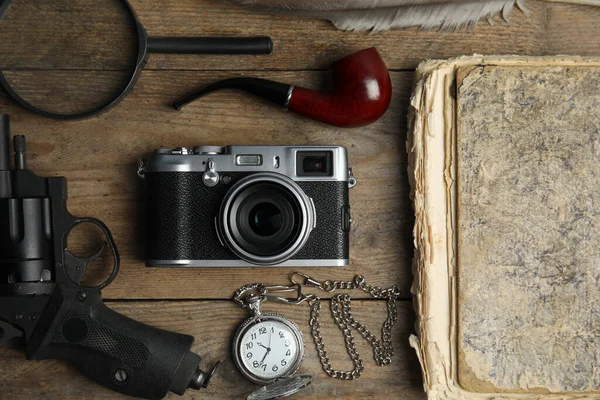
270,349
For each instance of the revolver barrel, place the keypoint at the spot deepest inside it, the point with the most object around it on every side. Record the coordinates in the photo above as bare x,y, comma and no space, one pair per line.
5,186
4,142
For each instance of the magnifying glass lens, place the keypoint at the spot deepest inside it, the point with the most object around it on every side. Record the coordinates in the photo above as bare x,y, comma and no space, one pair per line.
68,56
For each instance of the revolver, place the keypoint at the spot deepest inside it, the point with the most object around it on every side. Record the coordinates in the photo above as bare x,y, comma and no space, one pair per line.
43,301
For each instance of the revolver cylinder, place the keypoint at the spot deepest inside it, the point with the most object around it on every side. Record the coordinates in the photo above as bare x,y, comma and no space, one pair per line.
25,222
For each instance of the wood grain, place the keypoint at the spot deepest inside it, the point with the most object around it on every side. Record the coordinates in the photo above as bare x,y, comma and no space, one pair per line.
67,34
314,44
99,156
213,325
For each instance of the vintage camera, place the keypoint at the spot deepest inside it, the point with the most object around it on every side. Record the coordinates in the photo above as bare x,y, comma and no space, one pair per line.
242,206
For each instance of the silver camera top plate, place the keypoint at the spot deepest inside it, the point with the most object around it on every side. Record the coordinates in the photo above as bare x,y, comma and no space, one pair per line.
278,159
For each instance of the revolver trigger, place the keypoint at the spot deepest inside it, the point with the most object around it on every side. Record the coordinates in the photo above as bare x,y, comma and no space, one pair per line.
98,253
76,266
7,332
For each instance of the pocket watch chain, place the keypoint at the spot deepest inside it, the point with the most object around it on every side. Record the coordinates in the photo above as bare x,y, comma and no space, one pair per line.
342,314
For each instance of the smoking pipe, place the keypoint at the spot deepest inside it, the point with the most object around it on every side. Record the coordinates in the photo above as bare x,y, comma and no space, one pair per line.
360,93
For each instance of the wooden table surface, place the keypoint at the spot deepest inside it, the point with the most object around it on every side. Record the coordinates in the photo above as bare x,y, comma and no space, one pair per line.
98,157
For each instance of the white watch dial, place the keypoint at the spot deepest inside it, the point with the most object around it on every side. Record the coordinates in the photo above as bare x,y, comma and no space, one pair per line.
269,349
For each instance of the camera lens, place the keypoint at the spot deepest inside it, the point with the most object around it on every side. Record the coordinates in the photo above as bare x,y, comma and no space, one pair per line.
265,218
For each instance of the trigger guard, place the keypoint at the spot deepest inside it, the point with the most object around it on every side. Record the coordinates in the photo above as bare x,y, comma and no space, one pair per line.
111,243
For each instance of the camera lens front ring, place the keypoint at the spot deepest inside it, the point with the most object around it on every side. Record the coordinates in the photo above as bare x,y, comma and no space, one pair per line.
266,218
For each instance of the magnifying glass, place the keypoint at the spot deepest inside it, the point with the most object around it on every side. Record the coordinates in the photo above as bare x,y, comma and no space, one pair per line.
73,59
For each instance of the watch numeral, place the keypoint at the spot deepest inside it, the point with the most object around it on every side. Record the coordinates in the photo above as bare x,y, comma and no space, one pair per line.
261,365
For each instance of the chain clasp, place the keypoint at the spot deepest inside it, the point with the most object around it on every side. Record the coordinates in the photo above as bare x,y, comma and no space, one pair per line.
307,281
300,297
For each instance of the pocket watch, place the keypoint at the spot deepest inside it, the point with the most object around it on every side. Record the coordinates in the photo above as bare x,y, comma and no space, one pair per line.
268,348
264,369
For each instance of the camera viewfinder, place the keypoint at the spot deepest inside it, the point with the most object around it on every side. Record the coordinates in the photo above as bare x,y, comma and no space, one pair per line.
314,163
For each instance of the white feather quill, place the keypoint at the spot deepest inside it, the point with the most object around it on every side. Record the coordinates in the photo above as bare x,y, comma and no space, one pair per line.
380,15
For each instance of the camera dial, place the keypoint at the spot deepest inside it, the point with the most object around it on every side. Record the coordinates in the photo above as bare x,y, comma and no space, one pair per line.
210,177
209,150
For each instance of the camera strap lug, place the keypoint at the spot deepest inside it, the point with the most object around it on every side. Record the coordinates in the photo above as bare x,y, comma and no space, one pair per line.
141,171
351,179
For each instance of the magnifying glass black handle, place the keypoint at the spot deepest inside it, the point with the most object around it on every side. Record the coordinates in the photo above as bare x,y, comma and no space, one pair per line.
211,45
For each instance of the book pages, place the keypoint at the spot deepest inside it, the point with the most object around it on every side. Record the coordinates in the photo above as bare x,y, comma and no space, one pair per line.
504,165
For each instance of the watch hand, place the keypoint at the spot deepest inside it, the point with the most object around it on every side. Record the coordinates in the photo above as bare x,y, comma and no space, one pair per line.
266,354
261,345
270,334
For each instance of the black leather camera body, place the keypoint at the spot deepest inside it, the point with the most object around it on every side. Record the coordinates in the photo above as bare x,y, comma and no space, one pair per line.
242,206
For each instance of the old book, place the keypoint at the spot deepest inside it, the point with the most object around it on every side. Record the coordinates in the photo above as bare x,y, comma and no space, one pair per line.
505,177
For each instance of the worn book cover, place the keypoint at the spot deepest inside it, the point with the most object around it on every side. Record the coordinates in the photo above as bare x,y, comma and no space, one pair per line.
505,177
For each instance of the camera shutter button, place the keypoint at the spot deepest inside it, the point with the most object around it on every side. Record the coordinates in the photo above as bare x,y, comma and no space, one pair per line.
210,177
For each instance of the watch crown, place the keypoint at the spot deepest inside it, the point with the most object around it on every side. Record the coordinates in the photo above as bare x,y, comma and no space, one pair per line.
254,304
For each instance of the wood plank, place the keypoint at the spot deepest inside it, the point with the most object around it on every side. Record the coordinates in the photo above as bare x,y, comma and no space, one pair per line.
67,34
98,157
68,92
213,324
571,32
314,44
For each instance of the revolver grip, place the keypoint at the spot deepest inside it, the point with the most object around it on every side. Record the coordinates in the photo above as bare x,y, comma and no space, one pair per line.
115,351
